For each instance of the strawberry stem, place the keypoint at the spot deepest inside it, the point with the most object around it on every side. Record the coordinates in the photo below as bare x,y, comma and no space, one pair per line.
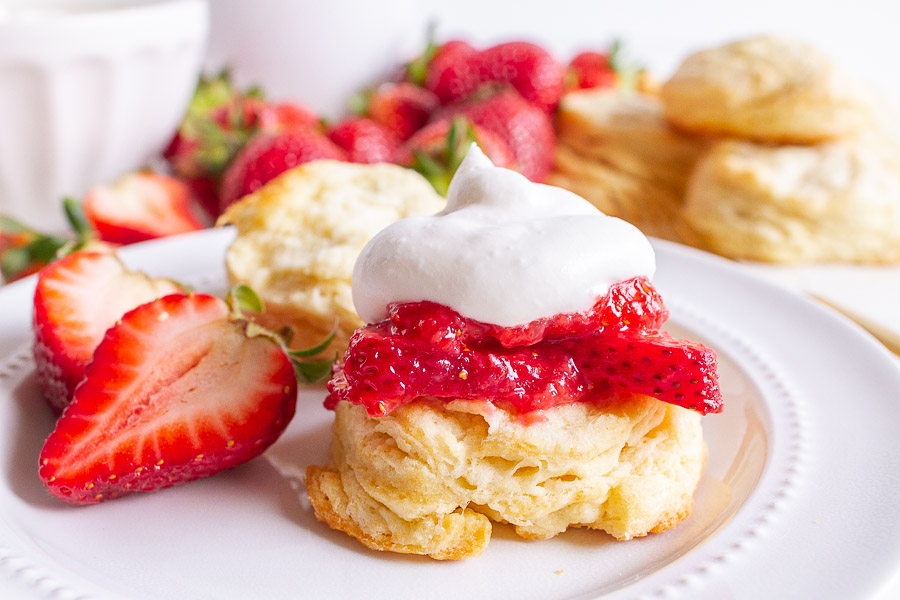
242,297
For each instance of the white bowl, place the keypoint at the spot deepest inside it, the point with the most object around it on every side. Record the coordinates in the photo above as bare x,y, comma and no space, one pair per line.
88,91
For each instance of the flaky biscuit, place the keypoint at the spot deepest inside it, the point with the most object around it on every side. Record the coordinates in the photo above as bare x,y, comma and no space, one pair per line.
616,150
427,478
838,201
767,89
298,238
628,132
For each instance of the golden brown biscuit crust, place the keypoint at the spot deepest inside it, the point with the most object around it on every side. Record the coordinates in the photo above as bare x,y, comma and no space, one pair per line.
768,89
426,478
834,202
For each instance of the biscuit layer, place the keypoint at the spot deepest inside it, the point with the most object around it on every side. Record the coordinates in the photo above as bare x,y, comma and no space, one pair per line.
427,478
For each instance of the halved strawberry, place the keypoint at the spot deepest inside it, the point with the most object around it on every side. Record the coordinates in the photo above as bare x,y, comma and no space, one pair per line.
76,300
180,388
141,206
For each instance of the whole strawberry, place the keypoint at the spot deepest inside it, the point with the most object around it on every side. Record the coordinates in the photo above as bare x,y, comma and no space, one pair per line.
528,68
437,150
457,72
267,156
25,251
180,388
365,140
590,70
76,299
526,128
402,107
141,206
450,70
220,120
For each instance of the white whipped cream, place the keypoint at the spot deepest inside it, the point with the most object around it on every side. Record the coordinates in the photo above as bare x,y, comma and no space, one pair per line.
504,251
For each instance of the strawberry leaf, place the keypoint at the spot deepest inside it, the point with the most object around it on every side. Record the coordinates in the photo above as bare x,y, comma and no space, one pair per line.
241,298
315,349
314,371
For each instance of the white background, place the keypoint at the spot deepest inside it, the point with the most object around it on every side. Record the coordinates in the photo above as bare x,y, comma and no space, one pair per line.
322,50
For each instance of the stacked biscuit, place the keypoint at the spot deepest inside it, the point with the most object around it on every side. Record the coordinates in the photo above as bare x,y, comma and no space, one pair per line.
781,157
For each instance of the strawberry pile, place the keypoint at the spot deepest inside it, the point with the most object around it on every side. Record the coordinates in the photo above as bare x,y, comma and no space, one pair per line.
154,386
426,349
231,142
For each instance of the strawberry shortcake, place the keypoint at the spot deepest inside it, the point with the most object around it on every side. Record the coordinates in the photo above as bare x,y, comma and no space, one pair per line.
512,371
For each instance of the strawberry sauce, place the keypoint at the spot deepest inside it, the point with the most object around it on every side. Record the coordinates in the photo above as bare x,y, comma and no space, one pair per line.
426,349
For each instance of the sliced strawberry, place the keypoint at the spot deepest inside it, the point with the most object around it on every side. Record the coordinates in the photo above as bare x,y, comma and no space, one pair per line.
141,206
656,364
425,349
176,391
76,300
267,156
437,150
365,140
526,129
401,107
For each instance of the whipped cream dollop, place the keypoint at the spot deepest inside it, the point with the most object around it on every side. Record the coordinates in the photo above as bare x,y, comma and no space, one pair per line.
504,251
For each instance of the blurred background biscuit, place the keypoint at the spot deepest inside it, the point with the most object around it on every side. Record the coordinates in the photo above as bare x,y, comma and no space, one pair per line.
618,151
837,201
768,89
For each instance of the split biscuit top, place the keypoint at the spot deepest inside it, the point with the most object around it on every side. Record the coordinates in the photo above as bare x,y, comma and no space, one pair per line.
767,89
831,202
298,238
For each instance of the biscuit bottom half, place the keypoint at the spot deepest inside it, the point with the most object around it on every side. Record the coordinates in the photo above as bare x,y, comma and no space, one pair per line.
431,476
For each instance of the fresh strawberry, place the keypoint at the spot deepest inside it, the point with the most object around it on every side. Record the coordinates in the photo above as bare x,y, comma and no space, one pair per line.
365,140
24,251
528,68
286,116
457,72
180,388
76,300
452,72
219,122
401,107
267,156
603,70
527,130
141,206
437,150
590,70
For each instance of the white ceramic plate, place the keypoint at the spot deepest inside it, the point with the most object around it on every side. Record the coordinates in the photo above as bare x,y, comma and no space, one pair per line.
799,500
